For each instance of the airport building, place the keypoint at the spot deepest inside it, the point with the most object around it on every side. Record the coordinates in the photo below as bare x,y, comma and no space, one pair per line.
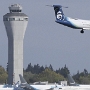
15,23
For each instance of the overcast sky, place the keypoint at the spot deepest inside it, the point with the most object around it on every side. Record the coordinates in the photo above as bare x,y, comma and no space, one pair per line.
47,42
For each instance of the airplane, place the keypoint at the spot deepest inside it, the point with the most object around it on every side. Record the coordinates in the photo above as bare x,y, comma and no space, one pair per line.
24,85
73,83
70,22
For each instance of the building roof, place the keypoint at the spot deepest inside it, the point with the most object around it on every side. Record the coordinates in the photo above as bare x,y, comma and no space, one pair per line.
15,14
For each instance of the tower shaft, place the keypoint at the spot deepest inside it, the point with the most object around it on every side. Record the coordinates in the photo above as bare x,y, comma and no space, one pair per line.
15,60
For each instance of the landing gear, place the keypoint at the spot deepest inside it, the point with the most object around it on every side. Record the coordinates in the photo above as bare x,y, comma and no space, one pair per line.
82,31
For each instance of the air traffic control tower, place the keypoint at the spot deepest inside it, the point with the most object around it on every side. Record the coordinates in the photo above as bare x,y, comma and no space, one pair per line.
15,23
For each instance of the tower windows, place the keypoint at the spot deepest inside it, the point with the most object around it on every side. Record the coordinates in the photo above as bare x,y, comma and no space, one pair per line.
15,10
5,19
11,19
15,19
26,19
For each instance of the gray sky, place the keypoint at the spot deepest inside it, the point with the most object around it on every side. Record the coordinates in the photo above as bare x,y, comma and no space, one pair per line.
47,42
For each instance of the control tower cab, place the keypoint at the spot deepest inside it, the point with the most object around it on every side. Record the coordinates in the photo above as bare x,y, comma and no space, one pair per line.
15,23
15,8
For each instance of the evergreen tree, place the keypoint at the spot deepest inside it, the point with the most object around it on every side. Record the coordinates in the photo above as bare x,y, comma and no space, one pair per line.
29,68
64,71
36,69
41,69
85,72
58,71
50,67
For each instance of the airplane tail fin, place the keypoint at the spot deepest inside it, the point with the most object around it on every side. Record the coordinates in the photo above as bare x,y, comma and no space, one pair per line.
59,12
23,81
25,85
71,80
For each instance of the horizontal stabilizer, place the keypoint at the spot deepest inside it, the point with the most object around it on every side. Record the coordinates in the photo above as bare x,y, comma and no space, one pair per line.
60,6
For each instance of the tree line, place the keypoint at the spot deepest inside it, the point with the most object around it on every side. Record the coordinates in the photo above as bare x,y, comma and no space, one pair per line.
36,69
34,73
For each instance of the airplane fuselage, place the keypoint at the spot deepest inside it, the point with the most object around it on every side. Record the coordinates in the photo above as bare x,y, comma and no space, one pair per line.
75,23
60,87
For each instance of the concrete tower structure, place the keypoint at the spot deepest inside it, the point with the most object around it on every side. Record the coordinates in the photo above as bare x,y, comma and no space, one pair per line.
15,23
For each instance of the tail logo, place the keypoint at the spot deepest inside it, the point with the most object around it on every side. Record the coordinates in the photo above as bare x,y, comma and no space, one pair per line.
59,15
